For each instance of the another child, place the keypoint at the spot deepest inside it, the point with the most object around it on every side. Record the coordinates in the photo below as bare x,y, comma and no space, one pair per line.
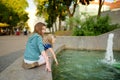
34,54
48,44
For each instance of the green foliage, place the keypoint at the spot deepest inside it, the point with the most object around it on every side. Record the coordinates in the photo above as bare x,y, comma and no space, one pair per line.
51,9
7,15
13,11
102,25
67,2
73,21
42,6
88,26
3,15
94,26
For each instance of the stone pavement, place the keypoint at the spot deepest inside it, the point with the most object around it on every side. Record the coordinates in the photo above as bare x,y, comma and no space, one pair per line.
16,72
11,48
9,44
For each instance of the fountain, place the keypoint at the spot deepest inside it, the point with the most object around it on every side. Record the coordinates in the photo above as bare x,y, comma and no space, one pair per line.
88,63
109,58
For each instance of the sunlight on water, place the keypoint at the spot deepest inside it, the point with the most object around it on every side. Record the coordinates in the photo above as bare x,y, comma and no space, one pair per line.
84,65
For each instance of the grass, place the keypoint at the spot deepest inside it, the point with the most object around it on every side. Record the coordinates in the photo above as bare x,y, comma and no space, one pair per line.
63,33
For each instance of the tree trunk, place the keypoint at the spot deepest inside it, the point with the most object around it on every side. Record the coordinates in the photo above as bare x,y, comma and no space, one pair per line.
71,13
100,7
60,27
50,30
53,30
55,26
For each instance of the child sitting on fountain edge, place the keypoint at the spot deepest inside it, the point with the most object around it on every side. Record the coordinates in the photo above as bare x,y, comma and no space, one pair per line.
48,42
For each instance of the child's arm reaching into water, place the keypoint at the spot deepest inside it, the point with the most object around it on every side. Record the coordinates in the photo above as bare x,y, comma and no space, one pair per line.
48,68
53,54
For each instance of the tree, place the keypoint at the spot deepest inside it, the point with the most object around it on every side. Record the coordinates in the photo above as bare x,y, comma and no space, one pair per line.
101,2
12,11
58,8
68,3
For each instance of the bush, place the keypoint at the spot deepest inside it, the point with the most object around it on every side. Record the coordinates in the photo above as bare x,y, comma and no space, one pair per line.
94,26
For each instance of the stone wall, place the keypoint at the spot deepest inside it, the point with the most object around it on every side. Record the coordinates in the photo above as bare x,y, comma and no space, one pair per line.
90,42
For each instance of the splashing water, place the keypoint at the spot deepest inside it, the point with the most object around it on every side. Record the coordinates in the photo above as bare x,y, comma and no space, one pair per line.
109,58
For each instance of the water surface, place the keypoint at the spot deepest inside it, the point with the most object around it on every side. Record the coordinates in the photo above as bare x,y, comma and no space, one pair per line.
84,65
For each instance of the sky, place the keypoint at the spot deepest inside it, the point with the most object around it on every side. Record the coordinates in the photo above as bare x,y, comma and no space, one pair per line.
31,14
33,19
109,0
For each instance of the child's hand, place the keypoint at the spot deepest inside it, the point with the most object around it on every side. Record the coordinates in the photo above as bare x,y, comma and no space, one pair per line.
56,63
48,68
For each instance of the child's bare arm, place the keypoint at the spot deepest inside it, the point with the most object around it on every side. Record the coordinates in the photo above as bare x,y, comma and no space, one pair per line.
48,68
53,54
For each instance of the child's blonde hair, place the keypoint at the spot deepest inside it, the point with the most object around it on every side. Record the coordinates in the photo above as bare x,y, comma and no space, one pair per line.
48,39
